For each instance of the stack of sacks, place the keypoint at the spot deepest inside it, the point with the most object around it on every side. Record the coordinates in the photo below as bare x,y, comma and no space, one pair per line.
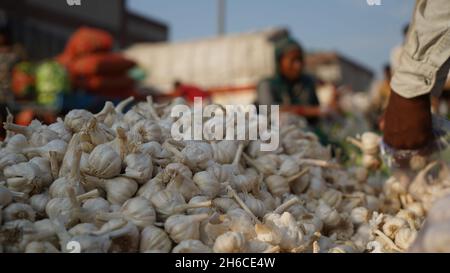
93,67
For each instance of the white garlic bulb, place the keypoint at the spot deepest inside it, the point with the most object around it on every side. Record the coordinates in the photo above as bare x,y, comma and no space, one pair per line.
41,247
150,188
405,237
76,119
39,201
359,215
83,229
207,183
155,239
16,143
36,133
104,162
124,236
11,158
25,177
60,128
18,211
255,205
137,210
279,185
224,204
7,196
184,227
230,242
118,190
138,167
199,210
191,246
328,215
92,207
58,146
392,225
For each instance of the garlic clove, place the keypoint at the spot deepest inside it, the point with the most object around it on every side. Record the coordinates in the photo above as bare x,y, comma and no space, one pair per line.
191,246
230,242
154,239
18,211
184,227
40,247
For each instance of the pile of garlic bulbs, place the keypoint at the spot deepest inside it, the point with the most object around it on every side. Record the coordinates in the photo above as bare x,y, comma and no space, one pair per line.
116,181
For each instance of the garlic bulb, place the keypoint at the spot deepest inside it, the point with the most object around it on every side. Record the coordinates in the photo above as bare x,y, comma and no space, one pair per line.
191,246
6,196
154,239
36,133
392,225
25,177
76,119
60,128
360,215
139,167
16,143
327,214
280,230
97,133
150,188
118,190
39,201
137,210
199,210
58,146
9,158
207,183
255,205
124,236
184,227
279,185
83,229
405,237
104,162
230,242
41,247
72,180
18,211
167,203
92,207
224,204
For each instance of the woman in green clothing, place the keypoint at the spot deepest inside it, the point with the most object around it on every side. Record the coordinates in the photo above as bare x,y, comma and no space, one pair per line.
290,88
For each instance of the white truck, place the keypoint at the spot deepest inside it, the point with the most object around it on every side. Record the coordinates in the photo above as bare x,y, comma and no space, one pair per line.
228,66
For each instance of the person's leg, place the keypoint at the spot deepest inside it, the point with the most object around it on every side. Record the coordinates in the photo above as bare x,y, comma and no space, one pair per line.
422,70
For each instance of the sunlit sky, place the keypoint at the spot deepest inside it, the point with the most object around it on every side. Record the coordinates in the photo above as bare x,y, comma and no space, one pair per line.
352,27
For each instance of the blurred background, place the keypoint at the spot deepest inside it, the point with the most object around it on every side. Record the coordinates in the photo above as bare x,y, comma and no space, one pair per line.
56,55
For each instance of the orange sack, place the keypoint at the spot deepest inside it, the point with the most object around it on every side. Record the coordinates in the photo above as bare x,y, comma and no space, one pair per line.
101,64
89,40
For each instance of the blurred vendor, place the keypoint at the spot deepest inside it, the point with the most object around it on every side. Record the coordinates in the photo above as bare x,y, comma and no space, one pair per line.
290,88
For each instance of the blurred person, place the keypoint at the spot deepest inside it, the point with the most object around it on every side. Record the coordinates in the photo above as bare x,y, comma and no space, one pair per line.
381,90
290,87
423,68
